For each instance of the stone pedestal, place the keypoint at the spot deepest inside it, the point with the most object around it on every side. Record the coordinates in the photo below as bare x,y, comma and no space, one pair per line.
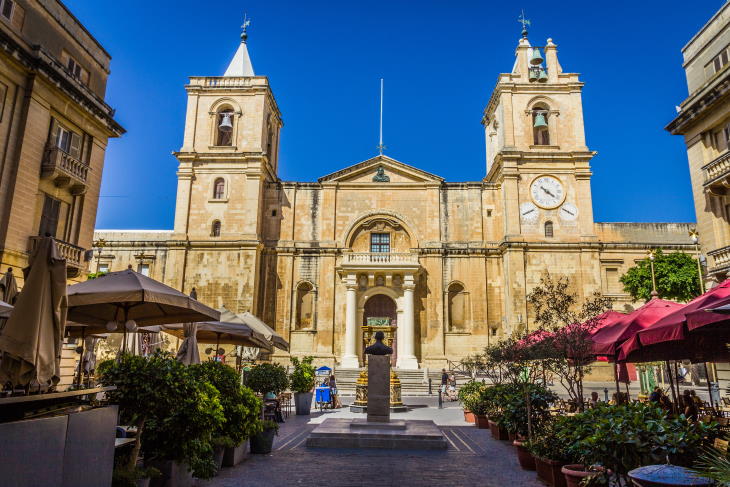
379,388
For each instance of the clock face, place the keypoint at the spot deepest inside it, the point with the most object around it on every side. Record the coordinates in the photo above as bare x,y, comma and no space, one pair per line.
547,192
568,212
529,212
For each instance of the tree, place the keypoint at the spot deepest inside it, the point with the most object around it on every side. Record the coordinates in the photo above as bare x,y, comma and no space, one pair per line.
567,349
675,273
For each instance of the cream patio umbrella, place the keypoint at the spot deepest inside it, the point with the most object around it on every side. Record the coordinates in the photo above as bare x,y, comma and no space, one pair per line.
5,310
188,352
30,342
130,299
219,333
274,338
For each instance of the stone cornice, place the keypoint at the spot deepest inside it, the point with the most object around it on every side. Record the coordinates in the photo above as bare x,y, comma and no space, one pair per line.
700,103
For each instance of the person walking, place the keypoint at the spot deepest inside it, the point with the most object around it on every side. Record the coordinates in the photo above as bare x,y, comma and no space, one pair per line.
336,404
444,383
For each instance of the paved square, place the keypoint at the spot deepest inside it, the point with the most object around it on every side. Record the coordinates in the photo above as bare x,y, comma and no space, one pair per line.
473,457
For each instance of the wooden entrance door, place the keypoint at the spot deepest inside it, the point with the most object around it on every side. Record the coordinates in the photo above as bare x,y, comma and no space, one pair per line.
381,306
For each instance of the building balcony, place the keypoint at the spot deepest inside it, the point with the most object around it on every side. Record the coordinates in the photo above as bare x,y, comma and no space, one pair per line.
73,254
717,175
64,170
720,259
379,260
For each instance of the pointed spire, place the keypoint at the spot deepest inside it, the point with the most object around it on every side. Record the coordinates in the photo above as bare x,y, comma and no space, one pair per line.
241,65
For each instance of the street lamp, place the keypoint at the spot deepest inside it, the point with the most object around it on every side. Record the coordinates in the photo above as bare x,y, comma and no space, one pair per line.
651,254
695,236
99,244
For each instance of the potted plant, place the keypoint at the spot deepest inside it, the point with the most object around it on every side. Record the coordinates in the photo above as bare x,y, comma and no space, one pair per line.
174,412
578,474
252,405
267,379
517,400
262,443
551,451
621,438
241,409
302,383
466,391
137,477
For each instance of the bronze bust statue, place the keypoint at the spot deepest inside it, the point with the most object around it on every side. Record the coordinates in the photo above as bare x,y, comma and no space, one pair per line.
379,348
380,176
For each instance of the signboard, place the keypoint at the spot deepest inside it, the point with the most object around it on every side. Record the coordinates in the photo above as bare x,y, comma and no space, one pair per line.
378,321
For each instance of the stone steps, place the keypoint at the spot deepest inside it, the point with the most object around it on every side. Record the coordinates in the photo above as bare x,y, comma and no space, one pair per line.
413,382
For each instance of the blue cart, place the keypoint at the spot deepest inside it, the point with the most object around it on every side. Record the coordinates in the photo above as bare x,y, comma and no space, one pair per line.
323,397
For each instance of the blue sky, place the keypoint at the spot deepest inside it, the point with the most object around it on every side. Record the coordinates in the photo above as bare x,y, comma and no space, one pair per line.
440,62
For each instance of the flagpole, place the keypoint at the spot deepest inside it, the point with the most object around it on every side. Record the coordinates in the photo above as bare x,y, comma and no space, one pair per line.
380,145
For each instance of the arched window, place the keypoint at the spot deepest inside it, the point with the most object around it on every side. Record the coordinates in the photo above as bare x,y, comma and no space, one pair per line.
215,230
224,127
540,128
219,189
457,307
305,306
548,229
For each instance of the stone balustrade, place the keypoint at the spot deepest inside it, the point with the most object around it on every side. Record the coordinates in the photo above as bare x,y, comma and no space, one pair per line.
65,169
379,258
720,257
73,254
716,174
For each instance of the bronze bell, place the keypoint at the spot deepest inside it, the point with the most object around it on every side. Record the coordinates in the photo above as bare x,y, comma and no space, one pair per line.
226,125
542,77
536,58
533,74
540,122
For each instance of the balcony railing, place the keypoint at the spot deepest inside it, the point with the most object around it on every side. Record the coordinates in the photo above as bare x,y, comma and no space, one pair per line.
379,258
716,174
720,257
63,168
73,254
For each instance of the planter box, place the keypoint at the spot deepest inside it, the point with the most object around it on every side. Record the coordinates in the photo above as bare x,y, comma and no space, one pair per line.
218,452
469,417
303,403
263,442
498,433
174,474
234,456
524,457
481,422
549,471
574,474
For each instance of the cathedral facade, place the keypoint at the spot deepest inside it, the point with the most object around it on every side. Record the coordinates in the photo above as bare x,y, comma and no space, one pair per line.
445,266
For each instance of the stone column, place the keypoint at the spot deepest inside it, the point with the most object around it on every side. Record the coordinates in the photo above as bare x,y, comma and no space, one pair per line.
349,359
408,360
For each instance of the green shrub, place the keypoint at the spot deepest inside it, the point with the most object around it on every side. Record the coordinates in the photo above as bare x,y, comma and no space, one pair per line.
264,378
241,408
175,413
550,443
514,407
628,436
302,378
470,388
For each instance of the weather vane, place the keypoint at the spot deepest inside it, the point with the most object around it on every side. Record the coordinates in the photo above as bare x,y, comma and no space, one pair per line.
244,26
525,22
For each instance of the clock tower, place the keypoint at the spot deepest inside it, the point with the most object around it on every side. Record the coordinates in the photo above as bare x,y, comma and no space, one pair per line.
538,159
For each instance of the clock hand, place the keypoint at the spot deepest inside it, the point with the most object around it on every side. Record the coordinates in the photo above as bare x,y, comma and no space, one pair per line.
529,211
568,212
548,192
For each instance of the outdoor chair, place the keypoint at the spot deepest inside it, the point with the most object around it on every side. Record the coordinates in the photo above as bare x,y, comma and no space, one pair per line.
285,403
721,445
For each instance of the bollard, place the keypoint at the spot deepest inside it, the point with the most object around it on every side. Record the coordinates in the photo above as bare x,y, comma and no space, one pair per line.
441,400
605,393
430,388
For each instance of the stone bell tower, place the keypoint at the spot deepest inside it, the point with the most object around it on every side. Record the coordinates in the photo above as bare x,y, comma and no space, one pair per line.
229,154
537,154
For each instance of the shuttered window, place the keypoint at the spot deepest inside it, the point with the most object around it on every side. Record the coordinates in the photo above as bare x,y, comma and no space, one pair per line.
49,217
379,242
66,140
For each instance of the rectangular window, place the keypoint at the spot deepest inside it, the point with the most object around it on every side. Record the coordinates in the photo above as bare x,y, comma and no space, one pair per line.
103,267
68,141
379,242
144,269
49,217
74,68
613,285
717,63
7,9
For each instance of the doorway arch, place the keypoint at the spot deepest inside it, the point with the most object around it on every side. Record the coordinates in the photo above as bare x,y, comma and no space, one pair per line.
379,306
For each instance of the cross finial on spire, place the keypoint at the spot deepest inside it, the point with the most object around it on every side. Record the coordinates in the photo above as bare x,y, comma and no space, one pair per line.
244,27
525,22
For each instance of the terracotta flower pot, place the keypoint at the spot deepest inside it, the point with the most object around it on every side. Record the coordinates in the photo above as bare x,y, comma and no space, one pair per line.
549,472
575,473
469,416
481,421
524,457
498,432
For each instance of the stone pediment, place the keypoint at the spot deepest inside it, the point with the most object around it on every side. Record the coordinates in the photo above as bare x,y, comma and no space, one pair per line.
381,170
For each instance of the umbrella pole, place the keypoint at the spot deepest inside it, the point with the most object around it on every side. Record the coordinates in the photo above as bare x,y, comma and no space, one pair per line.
615,378
709,385
217,344
81,357
671,385
676,377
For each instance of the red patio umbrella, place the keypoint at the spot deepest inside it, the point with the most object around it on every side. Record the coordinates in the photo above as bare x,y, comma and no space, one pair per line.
608,339
674,327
